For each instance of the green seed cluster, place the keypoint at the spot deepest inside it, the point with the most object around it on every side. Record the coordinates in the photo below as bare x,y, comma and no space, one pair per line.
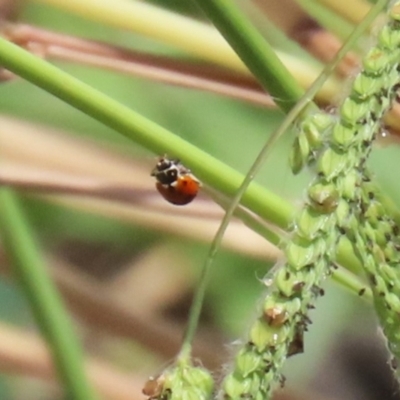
337,146
311,132
373,232
182,381
278,332
376,241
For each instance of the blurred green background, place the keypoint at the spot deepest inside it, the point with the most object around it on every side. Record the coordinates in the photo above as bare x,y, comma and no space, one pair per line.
231,131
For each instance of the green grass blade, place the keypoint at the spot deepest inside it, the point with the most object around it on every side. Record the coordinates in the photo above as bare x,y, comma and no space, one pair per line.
259,57
142,131
43,297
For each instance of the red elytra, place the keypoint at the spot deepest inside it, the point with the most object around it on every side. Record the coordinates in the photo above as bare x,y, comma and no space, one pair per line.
187,185
181,192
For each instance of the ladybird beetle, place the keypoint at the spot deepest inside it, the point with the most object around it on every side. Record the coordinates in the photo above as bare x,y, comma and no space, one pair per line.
175,182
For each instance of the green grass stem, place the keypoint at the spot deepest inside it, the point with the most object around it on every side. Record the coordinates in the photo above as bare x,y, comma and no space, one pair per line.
142,131
47,306
259,57
148,134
